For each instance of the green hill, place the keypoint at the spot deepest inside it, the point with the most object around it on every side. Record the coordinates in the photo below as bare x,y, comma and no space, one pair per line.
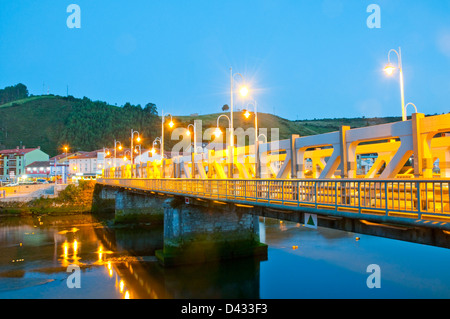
53,121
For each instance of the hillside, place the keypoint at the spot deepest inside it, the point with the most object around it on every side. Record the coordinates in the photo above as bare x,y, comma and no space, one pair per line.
54,121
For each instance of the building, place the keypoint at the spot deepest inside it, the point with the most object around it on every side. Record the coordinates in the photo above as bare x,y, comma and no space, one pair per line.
48,170
14,161
85,165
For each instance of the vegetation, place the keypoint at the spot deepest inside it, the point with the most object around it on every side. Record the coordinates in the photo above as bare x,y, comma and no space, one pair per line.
13,93
53,121
73,199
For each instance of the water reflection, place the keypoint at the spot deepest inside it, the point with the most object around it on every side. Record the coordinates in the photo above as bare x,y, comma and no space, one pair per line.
120,263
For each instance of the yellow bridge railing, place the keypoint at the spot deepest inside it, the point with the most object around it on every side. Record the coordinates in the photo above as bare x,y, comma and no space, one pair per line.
414,200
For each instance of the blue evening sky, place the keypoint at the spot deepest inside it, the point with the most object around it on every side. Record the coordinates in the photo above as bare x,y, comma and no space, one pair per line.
303,59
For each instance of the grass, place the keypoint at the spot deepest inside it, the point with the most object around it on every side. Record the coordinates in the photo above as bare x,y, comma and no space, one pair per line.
26,100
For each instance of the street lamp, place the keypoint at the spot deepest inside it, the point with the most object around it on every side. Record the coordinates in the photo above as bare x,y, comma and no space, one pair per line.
390,68
188,133
106,152
217,133
138,139
156,140
171,124
115,151
243,91
136,147
247,114
415,108
125,156
63,167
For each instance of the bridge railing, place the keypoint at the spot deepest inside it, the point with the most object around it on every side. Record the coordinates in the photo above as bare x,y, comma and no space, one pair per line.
402,198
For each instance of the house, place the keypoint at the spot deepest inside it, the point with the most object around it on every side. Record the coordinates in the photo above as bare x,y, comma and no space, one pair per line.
14,161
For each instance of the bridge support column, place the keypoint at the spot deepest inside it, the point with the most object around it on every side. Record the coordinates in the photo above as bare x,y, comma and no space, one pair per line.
197,233
133,206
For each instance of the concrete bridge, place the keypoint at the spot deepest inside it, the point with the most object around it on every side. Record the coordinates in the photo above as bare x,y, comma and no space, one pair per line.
213,200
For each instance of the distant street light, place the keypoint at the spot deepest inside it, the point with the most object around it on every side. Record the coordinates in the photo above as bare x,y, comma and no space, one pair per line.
243,91
136,147
217,133
171,124
247,115
406,106
138,139
125,156
390,68
156,140
188,133
115,151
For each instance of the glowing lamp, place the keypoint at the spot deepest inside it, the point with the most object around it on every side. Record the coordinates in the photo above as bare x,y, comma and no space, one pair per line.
244,91
389,69
217,132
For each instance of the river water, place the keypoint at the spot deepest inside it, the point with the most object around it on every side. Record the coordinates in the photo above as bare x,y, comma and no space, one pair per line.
119,263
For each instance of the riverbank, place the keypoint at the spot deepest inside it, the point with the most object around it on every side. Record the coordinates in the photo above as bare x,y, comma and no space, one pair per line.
74,199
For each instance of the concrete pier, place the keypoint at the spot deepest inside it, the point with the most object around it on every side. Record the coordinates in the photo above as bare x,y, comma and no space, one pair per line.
207,231
197,232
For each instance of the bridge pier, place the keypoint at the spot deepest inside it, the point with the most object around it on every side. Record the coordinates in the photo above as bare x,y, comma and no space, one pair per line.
205,231
131,206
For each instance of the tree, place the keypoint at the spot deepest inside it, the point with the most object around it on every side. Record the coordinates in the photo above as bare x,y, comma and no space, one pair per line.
225,108
151,108
13,93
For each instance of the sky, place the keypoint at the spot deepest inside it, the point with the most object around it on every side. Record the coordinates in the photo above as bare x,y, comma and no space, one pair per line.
301,59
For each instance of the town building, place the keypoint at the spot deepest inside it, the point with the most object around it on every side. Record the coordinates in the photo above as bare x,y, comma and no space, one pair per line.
49,170
14,161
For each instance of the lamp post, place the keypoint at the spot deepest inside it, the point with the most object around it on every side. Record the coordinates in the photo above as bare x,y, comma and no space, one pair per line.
140,152
390,68
188,133
415,108
217,134
125,156
106,152
218,131
243,91
247,115
163,118
115,151
138,139
156,140
63,167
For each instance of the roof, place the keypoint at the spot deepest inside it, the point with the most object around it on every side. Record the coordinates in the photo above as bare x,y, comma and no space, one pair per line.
92,154
18,151
45,163
64,155
39,164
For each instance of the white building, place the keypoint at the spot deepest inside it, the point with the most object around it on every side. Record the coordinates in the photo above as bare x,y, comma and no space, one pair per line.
87,165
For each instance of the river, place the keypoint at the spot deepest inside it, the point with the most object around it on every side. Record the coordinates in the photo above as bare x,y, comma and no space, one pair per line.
301,263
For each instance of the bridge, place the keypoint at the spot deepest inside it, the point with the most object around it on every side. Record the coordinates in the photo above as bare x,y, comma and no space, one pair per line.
319,175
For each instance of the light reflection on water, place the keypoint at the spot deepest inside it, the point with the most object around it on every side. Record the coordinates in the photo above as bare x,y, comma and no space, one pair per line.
120,263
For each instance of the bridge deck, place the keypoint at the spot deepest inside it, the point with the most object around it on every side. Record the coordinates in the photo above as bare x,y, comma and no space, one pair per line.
406,202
